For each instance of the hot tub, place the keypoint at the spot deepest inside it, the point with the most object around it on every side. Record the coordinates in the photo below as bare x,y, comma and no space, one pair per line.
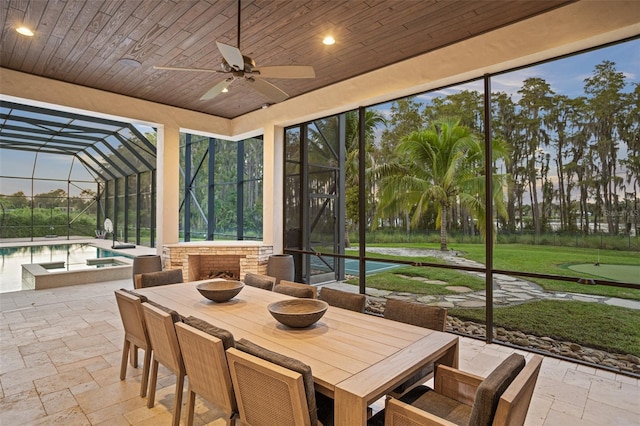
55,274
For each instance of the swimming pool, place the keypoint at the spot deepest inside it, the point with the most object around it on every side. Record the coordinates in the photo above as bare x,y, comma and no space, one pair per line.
74,257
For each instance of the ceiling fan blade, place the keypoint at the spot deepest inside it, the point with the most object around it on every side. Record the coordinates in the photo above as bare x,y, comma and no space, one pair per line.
286,71
267,89
217,89
232,55
185,69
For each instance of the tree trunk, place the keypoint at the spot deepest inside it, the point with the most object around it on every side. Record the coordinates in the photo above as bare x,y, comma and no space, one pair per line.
443,228
407,224
347,241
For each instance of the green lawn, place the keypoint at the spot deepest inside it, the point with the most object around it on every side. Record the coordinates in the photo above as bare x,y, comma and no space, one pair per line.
595,325
610,328
547,260
555,260
397,279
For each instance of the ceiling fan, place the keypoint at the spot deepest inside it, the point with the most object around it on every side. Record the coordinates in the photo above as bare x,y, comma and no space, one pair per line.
240,67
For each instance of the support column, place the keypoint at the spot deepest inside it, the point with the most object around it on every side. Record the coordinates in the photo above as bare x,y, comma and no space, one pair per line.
167,198
272,188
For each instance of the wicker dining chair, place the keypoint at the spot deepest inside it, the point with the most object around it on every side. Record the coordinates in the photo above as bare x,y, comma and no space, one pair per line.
343,299
296,289
135,335
166,350
427,316
273,389
203,348
502,399
421,315
264,282
154,279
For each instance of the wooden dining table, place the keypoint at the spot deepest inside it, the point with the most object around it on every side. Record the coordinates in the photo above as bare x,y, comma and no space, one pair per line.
355,358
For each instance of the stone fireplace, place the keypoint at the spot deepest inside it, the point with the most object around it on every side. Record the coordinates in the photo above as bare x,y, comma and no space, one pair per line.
200,260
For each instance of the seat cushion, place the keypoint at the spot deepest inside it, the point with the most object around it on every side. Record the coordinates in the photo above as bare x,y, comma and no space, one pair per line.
227,338
342,299
142,297
491,389
175,316
264,282
288,363
306,293
427,400
154,279
415,313
420,376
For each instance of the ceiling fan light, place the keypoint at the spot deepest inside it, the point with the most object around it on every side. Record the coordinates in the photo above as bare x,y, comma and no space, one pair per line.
328,41
25,31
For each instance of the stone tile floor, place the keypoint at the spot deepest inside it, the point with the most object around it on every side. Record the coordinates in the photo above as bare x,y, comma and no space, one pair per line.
60,354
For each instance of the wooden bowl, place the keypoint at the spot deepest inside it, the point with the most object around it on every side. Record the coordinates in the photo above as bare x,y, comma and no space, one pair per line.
298,313
220,291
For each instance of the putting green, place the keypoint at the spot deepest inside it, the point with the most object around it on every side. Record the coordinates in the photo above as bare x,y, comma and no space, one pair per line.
624,273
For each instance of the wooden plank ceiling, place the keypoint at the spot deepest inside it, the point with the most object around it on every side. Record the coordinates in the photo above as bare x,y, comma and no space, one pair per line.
85,42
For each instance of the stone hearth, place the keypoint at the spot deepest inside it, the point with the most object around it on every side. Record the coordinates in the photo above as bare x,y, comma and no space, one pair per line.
198,259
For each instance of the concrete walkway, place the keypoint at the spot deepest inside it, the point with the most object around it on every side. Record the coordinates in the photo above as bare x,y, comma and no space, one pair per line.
507,290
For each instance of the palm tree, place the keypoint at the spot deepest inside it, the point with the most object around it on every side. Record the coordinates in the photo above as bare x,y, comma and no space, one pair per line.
441,165
372,120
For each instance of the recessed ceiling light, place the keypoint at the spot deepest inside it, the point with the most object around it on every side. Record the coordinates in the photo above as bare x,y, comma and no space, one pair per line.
25,31
225,90
130,62
328,40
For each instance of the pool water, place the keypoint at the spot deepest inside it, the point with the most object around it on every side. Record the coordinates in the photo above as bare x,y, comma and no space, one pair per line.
74,255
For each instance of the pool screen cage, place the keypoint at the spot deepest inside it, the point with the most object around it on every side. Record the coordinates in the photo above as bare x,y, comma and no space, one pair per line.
63,173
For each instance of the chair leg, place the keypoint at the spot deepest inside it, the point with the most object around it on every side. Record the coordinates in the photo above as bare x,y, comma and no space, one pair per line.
191,403
231,421
123,363
145,372
178,398
133,356
152,382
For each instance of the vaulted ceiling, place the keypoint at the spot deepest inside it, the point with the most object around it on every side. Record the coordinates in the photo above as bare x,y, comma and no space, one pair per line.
113,45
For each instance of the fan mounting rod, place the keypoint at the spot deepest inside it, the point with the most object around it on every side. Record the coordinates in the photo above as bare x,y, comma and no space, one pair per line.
239,9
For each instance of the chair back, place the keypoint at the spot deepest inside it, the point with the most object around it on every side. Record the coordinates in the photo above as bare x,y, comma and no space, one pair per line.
264,282
205,361
433,317
267,394
490,390
153,279
343,299
515,400
135,334
297,289
162,334
133,321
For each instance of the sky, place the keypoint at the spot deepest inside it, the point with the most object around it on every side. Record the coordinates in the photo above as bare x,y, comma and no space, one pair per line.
565,76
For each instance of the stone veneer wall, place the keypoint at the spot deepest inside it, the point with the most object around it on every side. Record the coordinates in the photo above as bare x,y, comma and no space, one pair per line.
252,258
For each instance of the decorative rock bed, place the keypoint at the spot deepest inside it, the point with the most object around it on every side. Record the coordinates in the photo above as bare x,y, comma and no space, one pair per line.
626,363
